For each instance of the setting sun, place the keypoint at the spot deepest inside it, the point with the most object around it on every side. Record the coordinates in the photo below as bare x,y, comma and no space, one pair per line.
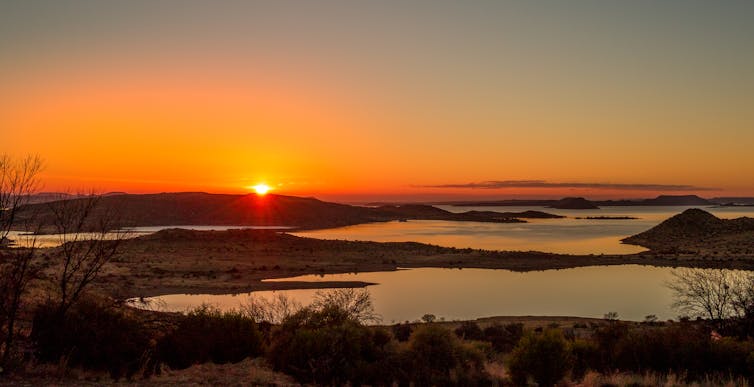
261,189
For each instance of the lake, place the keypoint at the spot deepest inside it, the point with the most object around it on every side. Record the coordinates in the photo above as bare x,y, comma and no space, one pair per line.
568,235
632,291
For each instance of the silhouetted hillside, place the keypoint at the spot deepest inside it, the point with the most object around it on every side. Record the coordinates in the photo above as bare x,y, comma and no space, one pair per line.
427,212
574,204
662,200
196,208
696,230
582,203
677,200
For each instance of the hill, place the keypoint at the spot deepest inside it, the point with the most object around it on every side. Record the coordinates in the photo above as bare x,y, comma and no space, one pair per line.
677,200
582,203
574,204
662,200
696,231
427,212
197,208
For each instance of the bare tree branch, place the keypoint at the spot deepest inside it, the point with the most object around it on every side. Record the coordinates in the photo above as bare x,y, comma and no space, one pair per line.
357,303
716,294
18,181
273,310
89,239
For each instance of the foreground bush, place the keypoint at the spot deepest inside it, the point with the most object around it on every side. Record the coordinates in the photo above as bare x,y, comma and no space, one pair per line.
680,349
469,330
329,346
92,336
207,334
544,357
402,332
504,337
327,343
683,349
438,357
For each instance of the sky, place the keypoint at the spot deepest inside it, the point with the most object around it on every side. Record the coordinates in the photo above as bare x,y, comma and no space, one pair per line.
357,100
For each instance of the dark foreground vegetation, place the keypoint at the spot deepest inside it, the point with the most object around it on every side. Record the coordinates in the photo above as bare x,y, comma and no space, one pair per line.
329,343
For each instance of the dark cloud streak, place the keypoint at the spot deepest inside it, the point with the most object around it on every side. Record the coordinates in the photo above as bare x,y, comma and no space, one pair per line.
498,184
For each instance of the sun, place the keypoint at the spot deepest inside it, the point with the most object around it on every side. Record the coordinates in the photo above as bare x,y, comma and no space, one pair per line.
261,189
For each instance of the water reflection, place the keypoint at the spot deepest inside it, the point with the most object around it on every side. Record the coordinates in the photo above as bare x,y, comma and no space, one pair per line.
632,291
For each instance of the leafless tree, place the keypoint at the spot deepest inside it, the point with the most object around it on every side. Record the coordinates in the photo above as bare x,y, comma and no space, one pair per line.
17,270
717,294
18,180
356,302
90,237
743,295
273,310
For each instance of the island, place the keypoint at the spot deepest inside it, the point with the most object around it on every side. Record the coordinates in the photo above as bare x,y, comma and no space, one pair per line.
696,233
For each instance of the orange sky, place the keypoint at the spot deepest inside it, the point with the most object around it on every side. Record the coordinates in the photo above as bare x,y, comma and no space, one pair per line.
332,103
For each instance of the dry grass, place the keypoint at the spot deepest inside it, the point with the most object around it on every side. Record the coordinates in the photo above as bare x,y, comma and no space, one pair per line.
593,379
249,372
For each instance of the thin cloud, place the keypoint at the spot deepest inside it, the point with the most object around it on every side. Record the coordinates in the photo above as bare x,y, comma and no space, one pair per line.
497,184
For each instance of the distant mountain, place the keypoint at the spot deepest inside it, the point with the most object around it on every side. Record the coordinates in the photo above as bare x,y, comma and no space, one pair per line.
582,203
427,212
197,208
733,201
698,231
662,200
677,200
574,204
46,197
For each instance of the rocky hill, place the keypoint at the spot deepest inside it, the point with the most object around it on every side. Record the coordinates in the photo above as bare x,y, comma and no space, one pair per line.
696,231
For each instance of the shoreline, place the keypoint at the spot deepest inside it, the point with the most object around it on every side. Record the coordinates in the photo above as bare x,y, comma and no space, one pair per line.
174,261
264,285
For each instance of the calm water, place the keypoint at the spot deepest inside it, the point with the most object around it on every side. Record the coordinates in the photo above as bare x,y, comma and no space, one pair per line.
569,235
51,240
632,291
